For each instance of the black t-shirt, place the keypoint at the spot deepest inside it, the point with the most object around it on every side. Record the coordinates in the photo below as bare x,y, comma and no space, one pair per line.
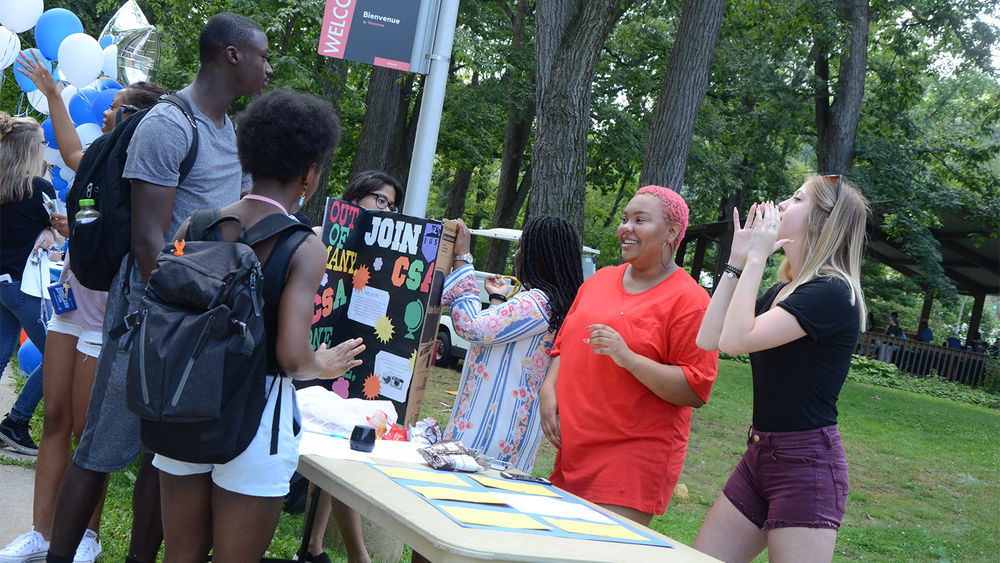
796,385
20,224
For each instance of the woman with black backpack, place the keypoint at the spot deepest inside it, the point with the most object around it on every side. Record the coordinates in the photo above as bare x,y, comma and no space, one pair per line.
232,508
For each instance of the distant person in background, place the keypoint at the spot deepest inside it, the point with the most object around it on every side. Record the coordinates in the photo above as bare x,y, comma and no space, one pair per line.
496,409
25,230
925,334
995,347
954,342
975,343
892,327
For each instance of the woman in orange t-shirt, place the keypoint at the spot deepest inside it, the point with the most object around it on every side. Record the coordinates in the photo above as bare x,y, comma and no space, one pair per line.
626,371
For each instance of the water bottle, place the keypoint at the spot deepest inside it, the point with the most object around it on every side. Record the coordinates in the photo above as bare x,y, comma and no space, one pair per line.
87,212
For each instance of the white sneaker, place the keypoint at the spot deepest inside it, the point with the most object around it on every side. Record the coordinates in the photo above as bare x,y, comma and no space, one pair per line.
89,548
30,546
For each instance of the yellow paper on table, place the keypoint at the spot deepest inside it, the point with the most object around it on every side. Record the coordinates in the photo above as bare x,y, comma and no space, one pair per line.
428,475
589,528
444,493
494,518
514,486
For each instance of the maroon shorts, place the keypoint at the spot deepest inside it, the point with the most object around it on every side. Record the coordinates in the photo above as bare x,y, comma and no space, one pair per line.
791,479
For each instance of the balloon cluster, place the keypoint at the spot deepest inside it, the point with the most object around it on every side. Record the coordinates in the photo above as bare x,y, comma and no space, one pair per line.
79,61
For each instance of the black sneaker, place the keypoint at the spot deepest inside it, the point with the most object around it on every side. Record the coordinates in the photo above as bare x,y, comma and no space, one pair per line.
15,435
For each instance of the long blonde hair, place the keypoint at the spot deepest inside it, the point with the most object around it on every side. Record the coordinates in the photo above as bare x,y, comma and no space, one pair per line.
834,238
20,157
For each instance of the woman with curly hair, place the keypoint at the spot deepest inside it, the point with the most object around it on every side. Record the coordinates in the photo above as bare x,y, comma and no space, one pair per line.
232,509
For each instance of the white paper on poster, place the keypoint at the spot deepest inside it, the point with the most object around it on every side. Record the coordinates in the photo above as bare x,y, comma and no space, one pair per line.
394,375
368,305
548,506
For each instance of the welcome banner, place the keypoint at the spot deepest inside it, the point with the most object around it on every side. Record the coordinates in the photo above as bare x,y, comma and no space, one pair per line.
387,33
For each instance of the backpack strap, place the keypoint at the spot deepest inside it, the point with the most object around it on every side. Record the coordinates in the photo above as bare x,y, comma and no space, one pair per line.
188,163
269,226
274,282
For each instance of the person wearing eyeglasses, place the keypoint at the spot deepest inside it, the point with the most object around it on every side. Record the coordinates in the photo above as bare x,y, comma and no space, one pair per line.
788,493
372,190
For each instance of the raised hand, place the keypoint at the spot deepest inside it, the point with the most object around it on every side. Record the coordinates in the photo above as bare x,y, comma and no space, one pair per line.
36,71
741,236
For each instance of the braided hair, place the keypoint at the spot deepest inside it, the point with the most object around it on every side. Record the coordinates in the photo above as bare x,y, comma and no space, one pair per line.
549,260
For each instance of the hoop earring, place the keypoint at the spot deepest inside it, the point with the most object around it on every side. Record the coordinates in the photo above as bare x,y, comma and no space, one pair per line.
665,266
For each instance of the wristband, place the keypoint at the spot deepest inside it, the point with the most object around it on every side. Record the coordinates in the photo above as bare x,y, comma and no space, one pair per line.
732,271
498,296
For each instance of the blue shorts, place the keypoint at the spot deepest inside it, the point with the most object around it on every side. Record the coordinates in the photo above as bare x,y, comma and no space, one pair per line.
791,479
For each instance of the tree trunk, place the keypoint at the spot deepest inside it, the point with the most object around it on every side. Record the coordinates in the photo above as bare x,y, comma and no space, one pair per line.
726,206
684,84
570,36
334,78
382,107
497,250
837,123
397,161
457,193
511,187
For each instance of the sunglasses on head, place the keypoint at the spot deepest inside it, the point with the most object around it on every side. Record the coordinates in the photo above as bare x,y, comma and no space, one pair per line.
835,178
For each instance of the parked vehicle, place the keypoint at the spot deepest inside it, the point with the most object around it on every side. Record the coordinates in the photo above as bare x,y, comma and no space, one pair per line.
450,346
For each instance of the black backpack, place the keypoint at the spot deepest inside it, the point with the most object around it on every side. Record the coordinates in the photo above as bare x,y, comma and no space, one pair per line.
199,351
99,246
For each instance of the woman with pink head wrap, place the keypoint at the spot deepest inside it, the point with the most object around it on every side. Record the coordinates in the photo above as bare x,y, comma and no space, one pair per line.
626,372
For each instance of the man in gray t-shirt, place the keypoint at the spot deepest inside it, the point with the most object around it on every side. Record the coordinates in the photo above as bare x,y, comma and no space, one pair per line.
233,54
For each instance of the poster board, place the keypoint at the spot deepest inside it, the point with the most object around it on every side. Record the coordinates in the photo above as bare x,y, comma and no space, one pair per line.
395,34
384,276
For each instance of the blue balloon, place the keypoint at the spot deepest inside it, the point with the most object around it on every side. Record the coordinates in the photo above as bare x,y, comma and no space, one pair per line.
28,357
52,27
81,106
102,103
108,84
106,41
49,134
23,81
61,186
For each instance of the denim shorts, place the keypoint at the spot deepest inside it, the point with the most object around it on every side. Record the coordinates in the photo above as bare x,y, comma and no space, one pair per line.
791,479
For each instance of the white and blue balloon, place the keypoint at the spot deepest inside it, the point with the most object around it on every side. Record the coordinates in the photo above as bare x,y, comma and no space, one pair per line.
127,51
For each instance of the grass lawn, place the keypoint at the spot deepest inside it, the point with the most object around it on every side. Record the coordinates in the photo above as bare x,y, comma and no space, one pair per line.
925,473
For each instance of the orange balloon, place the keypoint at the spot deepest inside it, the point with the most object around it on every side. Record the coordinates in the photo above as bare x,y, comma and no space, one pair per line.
23,337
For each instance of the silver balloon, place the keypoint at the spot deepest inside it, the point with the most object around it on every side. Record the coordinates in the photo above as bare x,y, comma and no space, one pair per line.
138,43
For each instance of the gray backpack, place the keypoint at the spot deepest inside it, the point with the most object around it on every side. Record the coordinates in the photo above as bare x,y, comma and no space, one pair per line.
200,350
